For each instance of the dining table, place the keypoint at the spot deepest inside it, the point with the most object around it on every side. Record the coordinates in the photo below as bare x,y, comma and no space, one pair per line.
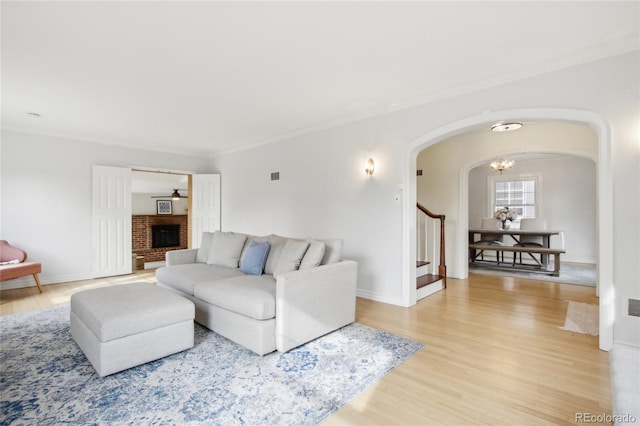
515,235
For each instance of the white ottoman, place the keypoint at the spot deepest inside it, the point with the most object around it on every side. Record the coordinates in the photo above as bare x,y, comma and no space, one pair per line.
128,325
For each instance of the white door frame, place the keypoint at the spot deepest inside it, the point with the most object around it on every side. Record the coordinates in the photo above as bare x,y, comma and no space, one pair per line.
111,251
604,202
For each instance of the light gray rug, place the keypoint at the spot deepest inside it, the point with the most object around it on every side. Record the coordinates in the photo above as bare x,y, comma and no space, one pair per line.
625,384
47,380
570,273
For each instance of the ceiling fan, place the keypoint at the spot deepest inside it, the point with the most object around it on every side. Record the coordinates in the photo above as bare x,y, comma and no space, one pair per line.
174,196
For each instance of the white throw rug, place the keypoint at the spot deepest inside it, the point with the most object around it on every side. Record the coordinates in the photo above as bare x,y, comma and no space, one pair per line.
582,318
47,380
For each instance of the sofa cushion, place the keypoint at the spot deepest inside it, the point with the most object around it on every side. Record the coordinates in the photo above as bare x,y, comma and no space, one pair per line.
185,277
202,255
249,295
314,254
226,249
255,256
332,252
290,256
277,244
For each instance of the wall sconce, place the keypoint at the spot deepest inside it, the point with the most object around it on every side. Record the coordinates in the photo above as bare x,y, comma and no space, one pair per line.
369,167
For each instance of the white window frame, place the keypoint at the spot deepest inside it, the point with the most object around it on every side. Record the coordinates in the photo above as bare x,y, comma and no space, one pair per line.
491,191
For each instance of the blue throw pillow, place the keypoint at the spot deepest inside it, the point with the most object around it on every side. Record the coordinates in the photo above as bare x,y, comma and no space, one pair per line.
255,257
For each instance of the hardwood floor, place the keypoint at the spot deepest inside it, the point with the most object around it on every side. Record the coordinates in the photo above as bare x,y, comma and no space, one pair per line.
494,354
28,299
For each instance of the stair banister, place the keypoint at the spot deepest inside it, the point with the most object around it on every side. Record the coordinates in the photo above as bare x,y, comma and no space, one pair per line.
442,267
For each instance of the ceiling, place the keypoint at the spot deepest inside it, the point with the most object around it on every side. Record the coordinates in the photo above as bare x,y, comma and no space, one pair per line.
213,77
158,183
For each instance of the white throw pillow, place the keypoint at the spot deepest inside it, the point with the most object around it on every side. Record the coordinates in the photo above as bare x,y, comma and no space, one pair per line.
226,249
314,254
277,244
202,255
290,257
332,252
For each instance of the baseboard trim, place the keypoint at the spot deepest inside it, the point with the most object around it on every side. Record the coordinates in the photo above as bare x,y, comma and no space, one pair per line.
365,294
28,281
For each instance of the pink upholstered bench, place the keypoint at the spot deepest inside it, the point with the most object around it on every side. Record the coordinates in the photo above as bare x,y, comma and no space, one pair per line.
8,271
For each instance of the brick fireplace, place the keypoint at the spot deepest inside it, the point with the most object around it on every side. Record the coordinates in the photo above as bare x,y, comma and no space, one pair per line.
141,234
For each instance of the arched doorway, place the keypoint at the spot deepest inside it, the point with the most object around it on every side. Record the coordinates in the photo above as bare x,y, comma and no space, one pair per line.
459,238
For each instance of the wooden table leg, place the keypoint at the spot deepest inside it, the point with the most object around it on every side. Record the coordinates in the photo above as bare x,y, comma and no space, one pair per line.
556,265
544,258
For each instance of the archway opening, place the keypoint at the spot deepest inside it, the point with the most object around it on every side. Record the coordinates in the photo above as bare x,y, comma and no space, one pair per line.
459,214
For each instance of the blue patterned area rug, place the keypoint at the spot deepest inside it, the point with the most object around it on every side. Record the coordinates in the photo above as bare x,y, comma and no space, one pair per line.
47,380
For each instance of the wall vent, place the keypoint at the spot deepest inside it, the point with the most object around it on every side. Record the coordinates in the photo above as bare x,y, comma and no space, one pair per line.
419,172
634,307
275,176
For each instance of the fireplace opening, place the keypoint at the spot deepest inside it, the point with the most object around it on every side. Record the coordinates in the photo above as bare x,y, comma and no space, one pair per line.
165,236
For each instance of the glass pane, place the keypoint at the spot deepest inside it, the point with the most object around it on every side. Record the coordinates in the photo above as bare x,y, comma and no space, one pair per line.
518,195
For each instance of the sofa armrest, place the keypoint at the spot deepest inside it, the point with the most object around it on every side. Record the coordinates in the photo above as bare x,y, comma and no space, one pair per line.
313,302
179,257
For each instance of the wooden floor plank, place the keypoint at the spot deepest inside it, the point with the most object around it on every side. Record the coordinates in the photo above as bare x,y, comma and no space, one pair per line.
494,354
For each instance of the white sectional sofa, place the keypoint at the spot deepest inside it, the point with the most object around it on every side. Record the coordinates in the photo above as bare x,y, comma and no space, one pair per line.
265,299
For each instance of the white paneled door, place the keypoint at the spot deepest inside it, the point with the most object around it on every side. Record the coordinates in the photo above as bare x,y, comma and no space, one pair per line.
112,216
205,206
111,223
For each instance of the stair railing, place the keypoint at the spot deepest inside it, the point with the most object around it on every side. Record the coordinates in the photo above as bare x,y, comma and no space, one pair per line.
432,236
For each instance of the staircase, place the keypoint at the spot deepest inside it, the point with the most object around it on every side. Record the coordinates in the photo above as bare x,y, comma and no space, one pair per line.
431,245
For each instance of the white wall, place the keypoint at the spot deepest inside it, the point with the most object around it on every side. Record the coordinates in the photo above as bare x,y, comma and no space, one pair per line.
324,192
568,201
46,197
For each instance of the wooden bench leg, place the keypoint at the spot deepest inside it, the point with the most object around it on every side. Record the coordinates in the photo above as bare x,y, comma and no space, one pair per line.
37,282
556,265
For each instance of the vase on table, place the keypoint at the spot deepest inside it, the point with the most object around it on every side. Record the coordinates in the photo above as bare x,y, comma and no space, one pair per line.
505,225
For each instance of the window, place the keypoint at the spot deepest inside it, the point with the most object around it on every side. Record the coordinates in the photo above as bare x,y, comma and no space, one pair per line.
519,193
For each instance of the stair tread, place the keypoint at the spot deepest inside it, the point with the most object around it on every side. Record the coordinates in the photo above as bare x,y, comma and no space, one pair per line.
426,280
420,263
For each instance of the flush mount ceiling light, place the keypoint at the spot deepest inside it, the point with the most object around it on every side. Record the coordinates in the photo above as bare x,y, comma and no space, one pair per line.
506,126
501,165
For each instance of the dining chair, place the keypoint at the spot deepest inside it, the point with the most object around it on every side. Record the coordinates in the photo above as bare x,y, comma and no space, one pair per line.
530,224
489,237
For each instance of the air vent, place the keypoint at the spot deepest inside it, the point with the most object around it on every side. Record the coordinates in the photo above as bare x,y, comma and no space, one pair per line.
275,176
634,307
419,172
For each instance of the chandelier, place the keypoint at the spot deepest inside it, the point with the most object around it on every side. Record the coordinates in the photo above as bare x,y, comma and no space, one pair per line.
501,165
